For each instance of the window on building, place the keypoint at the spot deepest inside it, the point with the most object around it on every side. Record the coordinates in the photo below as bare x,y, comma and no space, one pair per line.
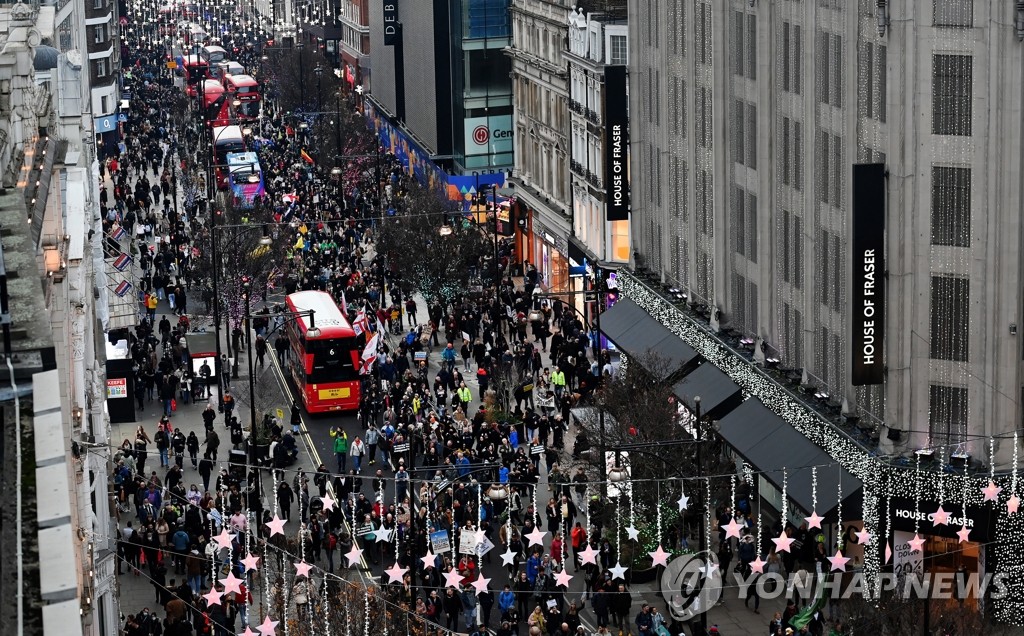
952,76
871,74
104,104
702,32
792,153
620,50
792,336
101,68
99,4
829,158
953,13
751,132
744,50
951,206
830,69
830,284
950,312
99,34
947,412
792,50
792,249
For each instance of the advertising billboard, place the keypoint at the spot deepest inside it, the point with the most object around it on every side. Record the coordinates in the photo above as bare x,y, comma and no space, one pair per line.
488,135
616,143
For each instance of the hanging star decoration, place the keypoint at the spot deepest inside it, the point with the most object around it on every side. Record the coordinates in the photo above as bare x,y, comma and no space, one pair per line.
863,537
964,534
634,534
888,552
618,572
940,517
212,597
757,565
329,502
452,578
248,632
991,491
232,584
710,566
269,627
783,542
917,543
732,529
382,534
588,555
659,556
508,557
684,502
251,562
536,537
428,559
562,578
838,561
302,568
354,555
480,584
224,539
814,521
276,525
395,573
1012,504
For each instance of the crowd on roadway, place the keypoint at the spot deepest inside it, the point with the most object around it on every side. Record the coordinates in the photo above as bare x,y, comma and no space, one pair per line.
424,462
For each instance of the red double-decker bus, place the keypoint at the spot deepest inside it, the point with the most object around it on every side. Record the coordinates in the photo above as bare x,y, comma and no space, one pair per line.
246,90
324,366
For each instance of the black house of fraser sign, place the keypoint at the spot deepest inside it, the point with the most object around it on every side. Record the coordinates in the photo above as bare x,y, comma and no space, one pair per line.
868,299
616,147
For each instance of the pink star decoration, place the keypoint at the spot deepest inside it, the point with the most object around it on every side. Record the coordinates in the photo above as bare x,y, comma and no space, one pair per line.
354,555
814,521
480,584
212,597
940,517
562,578
732,529
302,568
269,627
888,552
452,578
248,632
224,539
1012,504
251,562
838,561
232,584
276,525
658,557
428,560
964,534
783,542
395,573
536,537
757,565
328,502
917,543
863,537
991,491
588,555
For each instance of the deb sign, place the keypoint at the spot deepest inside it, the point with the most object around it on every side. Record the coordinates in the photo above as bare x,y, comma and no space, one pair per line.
488,135
391,25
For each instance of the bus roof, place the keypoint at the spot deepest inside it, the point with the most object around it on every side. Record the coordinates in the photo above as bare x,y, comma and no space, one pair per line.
326,315
242,80
243,162
213,48
212,87
224,134
194,60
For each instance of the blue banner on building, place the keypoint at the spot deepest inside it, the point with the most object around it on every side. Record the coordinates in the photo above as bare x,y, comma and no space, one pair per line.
106,124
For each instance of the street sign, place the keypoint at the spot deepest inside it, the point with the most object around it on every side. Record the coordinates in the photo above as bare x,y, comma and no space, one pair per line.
172,64
280,415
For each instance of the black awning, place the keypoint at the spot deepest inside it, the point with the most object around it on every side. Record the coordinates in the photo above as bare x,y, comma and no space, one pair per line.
718,394
769,444
636,333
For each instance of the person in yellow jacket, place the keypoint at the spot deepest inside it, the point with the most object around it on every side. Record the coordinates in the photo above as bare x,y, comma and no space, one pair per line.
464,396
151,302
558,381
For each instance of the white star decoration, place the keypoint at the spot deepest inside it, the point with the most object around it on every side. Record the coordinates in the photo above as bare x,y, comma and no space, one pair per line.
562,578
783,542
940,517
212,597
757,565
452,578
659,556
224,539
354,555
395,573
269,627
814,521
838,561
329,502
480,584
428,560
732,529
302,568
251,562
634,534
508,557
232,584
276,525
684,502
588,555
536,537
618,572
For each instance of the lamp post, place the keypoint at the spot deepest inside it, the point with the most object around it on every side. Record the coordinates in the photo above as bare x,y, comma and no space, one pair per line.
702,539
302,73
319,70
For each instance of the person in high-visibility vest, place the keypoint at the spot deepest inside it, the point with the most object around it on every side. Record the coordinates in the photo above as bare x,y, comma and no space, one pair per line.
558,381
465,396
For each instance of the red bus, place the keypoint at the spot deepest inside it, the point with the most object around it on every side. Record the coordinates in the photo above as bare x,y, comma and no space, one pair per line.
195,71
324,367
246,90
226,139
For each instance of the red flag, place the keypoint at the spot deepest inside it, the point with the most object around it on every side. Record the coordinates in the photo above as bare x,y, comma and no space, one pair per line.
305,157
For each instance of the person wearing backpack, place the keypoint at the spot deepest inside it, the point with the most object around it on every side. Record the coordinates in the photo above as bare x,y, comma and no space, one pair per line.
340,438
329,544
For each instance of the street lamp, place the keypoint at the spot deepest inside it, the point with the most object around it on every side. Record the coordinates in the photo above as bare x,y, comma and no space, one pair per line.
701,531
